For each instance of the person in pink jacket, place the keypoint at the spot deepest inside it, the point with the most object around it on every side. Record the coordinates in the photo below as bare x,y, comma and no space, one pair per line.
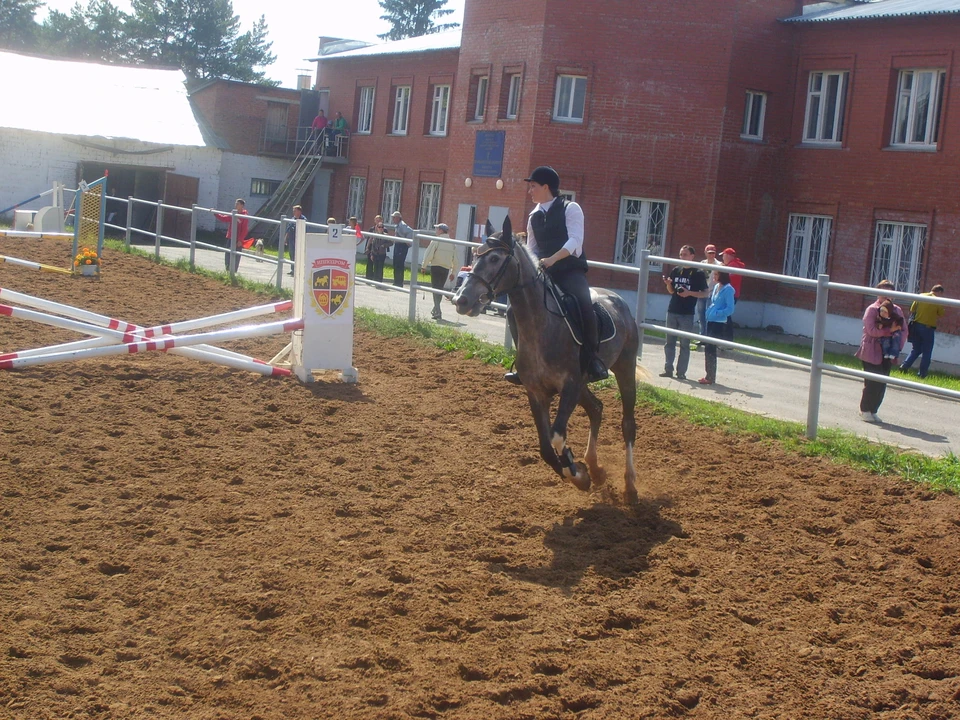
871,354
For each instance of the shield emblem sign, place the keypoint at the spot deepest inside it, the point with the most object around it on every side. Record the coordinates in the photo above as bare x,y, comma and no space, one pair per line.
330,287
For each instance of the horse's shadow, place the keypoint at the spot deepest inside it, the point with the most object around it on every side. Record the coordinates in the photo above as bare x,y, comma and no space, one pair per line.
614,541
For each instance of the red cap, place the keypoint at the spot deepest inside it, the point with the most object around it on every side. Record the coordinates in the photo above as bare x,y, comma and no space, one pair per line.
729,250
710,248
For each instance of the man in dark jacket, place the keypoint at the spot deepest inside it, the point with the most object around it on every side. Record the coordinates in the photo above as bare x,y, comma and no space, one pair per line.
555,235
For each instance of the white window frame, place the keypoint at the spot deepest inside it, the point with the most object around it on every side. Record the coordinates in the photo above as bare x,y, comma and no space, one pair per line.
365,112
568,195
565,105
641,213
440,110
823,119
390,202
897,255
513,97
428,214
401,110
480,102
916,117
356,196
808,240
754,115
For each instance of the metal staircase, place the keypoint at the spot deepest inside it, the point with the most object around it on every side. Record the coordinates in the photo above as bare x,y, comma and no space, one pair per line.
290,191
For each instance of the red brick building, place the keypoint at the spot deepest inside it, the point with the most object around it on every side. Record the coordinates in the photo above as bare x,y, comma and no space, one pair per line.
811,139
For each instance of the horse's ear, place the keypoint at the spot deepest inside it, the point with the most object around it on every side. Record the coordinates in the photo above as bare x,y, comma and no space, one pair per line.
490,230
507,230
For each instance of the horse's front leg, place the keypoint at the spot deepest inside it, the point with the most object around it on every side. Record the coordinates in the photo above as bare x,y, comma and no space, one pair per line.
575,472
594,409
540,408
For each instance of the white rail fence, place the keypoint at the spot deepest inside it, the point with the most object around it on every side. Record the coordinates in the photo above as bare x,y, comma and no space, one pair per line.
821,286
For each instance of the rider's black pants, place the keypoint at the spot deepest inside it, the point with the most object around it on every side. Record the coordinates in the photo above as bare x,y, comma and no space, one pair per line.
574,282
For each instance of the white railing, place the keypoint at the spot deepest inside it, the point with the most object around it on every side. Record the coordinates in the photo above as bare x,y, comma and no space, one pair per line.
822,286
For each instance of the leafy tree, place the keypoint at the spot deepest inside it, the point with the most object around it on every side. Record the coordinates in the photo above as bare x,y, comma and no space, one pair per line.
18,29
95,33
413,18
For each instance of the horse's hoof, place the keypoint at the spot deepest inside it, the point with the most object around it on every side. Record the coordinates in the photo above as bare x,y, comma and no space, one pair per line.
598,476
581,481
631,496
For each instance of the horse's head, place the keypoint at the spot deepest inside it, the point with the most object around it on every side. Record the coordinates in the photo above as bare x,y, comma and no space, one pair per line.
495,271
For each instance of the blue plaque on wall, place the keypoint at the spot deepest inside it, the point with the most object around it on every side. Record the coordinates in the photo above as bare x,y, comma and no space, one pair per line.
488,153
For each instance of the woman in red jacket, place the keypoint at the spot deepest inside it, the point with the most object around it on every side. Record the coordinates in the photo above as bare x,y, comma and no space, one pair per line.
241,242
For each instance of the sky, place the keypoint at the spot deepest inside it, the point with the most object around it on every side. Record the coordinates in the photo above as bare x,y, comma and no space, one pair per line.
295,25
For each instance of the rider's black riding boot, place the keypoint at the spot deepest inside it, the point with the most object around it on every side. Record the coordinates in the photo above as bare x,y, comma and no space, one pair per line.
512,377
596,370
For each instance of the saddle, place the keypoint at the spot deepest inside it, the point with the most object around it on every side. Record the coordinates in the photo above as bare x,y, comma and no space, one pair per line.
570,311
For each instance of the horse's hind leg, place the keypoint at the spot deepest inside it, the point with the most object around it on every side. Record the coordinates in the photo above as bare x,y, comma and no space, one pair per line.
626,374
541,418
594,409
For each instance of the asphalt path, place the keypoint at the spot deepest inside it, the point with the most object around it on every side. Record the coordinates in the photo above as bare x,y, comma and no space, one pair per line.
749,382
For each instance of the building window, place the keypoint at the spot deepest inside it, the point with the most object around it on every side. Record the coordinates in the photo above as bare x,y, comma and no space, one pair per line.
262,187
568,195
480,97
429,214
570,98
754,109
356,197
807,239
365,111
826,101
917,117
897,255
440,110
401,110
391,198
513,97
642,225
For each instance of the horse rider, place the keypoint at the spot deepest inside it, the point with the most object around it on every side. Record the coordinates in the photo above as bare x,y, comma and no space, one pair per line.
555,236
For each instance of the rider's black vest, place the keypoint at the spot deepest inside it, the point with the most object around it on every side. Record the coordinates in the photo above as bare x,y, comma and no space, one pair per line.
550,231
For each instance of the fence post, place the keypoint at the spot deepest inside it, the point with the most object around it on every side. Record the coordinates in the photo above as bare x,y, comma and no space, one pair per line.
193,235
126,239
816,356
232,245
156,242
642,282
414,268
281,249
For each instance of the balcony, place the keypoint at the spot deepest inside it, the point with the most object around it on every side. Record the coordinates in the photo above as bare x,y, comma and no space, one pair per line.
284,142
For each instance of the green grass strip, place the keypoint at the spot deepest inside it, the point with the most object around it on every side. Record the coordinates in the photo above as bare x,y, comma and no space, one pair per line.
840,446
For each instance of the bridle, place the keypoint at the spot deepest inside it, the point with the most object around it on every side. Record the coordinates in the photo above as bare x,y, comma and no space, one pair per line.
507,247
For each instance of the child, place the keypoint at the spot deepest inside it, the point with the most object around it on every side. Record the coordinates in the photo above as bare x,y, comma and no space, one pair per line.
889,346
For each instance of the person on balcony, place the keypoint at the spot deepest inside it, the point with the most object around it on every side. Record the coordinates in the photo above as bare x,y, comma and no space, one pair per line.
320,129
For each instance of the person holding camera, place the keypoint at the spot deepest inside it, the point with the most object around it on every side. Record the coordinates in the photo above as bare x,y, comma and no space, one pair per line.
686,286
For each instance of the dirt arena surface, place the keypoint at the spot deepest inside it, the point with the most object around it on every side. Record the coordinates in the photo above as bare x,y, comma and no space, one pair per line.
179,540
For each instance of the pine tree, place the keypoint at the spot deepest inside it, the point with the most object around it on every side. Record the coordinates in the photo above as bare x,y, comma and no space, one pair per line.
18,29
413,18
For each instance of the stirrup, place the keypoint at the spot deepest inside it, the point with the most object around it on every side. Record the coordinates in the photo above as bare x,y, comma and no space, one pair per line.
596,370
513,377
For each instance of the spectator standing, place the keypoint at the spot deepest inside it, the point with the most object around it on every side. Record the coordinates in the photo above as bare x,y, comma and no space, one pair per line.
686,286
377,251
731,261
718,311
871,354
290,236
441,258
923,329
400,250
240,241
319,128
341,128
710,257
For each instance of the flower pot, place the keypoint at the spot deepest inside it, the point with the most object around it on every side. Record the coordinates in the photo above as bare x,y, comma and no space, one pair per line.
89,269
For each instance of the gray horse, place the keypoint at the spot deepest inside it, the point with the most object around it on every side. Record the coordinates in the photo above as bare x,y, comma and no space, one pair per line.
548,357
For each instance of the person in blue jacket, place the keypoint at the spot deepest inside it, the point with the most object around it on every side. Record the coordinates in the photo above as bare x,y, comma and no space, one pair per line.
720,308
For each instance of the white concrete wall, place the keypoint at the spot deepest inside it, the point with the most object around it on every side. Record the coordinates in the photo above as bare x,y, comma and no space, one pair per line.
237,171
32,161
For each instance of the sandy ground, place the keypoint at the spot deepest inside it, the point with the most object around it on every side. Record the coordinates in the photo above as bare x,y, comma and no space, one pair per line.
183,540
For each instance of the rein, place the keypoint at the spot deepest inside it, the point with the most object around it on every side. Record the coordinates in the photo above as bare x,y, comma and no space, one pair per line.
491,292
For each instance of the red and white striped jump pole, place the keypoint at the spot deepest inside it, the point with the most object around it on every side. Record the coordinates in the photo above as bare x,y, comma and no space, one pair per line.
247,331
105,324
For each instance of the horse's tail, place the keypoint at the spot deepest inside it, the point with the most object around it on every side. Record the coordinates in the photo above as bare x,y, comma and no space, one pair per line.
643,375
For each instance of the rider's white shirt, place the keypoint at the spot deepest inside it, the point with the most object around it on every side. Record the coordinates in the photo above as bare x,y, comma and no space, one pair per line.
574,216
